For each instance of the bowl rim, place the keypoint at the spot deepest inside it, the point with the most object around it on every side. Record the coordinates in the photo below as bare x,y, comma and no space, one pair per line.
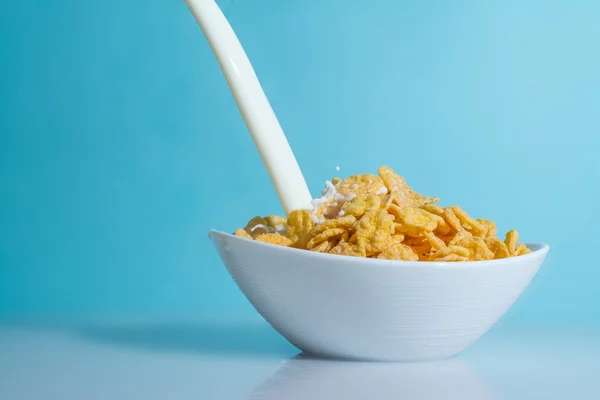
539,249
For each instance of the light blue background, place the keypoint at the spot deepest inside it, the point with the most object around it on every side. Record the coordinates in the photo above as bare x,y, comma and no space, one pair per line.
121,145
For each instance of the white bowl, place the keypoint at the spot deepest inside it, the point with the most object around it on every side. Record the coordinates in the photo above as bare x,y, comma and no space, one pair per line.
380,310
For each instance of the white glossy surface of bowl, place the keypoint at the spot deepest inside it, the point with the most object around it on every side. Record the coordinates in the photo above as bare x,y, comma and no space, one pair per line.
379,310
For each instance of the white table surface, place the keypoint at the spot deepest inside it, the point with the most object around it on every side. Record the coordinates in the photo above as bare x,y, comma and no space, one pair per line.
216,359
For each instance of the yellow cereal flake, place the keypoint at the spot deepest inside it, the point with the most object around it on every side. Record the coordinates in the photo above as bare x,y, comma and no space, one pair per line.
512,238
322,247
446,251
452,257
406,196
498,247
242,233
452,219
274,238
399,238
436,242
299,224
521,250
388,199
342,222
488,226
420,244
397,228
467,222
413,220
459,236
442,228
347,249
335,180
373,231
301,241
360,184
344,236
434,209
398,251
361,204
324,236
478,250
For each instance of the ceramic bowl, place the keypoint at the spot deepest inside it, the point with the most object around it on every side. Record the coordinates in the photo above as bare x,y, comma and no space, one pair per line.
377,310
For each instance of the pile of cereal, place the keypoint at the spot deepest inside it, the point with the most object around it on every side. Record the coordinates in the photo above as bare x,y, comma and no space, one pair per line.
382,217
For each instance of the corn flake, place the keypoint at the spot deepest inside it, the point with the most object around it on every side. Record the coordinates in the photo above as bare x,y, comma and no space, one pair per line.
450,250
406,196
498,247
512,238
274,238
373,231
458,237
360,184
322,247
344,236
467,222
361,204
398,238
452,219
420,244
436,242
347,249
398,251
342,222
388,199
434,209
299,224
521,250
488,226
442,228
326,235
452,257
478,250
413,220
